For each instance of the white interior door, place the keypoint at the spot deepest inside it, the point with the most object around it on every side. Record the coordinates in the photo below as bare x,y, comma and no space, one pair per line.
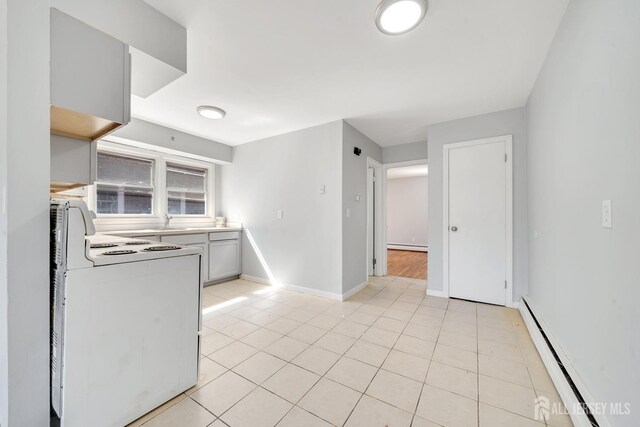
479,220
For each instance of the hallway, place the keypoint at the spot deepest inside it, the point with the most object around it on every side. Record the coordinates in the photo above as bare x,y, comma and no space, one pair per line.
407,264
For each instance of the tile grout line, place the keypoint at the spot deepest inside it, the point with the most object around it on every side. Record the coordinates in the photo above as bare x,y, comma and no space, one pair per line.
477,369
429,367
396,296
290,362
385,359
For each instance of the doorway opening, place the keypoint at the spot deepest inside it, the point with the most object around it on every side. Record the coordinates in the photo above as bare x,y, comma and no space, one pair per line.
407,229
375,220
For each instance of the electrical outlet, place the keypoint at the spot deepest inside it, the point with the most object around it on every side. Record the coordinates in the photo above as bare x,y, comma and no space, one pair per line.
323,189
606,214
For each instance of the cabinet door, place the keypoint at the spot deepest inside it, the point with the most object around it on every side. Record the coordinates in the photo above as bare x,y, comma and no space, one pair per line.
73,161
224,259
90,70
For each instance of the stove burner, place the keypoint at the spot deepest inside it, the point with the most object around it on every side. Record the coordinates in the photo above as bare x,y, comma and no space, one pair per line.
137,243
122,252
161,248
103,245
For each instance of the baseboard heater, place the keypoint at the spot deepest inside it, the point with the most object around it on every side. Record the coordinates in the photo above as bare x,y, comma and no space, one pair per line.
405,247
567,388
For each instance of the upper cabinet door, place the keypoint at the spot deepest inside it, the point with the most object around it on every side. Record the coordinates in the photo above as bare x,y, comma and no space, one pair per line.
90,79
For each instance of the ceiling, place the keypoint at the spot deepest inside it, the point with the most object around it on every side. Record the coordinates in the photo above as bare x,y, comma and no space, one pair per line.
282,65
408,171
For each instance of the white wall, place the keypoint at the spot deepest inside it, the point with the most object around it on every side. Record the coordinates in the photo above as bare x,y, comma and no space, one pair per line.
584,147
509,122
4,354
354,183
24,229
407,211
405,152
285,173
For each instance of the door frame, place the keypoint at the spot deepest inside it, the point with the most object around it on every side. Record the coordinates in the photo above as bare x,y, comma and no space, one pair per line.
508,140
383,235
379,220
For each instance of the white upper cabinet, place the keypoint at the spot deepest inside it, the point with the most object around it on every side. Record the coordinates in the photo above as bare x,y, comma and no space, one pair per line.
90,80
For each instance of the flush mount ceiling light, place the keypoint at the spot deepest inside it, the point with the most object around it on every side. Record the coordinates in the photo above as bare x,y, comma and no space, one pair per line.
395,17
211,112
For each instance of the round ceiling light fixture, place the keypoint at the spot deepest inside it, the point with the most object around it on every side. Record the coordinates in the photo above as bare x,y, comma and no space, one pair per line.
395,17
211,112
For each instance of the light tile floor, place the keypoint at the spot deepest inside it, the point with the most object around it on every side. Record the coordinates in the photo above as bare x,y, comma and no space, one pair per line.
389,356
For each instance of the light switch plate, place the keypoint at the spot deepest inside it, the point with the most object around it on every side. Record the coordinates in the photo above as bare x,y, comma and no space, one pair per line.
348,212
606,214
279,214
323,189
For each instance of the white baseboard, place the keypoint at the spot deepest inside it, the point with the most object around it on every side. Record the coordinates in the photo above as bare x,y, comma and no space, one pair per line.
408,248
513,304
565,391
436,293
301,289
348,294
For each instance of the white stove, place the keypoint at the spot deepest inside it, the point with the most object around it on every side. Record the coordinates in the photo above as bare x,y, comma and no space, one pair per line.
106,250
126,321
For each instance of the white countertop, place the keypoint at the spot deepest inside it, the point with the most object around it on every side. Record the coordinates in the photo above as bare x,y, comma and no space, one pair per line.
170,231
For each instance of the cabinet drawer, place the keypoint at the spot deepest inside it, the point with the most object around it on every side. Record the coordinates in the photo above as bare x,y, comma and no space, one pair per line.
184,239
224,235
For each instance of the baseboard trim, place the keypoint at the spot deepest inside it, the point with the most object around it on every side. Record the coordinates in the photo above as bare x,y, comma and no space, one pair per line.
297,288
408,248
435,293
561,383
349,294
513,304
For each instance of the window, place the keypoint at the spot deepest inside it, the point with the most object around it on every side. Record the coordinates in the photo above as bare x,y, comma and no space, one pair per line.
186,190
124,185
138,185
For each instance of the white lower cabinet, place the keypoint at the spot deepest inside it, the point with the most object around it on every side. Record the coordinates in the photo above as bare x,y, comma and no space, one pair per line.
224,259
221,252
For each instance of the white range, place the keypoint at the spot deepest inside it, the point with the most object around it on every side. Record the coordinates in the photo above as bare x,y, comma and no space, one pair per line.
126,321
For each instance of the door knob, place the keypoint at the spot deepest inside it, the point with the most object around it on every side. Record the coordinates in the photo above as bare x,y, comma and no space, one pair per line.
454,228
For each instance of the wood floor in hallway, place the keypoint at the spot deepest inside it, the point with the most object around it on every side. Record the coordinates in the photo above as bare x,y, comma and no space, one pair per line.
407,263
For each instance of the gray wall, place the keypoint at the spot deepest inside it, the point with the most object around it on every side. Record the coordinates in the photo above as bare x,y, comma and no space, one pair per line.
407,211
584,134
285,172
354,183
509,122
174,140
405,152
24,222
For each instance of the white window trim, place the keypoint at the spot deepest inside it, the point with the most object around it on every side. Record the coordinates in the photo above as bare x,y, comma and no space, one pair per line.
117,221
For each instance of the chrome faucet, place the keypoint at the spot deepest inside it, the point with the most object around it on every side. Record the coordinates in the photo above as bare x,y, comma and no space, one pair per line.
167,218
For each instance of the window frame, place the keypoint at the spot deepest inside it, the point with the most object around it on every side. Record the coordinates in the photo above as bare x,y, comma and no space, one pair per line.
160,194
